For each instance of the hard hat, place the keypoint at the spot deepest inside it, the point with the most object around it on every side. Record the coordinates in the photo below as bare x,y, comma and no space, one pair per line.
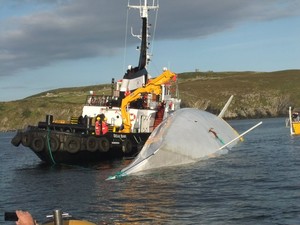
105,119
98,118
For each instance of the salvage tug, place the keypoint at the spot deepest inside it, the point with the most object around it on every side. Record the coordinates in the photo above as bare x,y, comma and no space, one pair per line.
109,127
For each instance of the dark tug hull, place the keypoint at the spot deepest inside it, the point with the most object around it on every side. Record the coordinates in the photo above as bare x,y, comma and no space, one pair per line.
57,147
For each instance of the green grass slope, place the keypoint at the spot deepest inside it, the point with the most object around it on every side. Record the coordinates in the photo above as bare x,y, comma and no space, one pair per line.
256,94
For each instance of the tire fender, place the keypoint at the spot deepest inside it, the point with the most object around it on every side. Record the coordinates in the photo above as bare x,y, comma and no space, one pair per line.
38,144
53,142
72,144
92,144
26,139
104,144
127,146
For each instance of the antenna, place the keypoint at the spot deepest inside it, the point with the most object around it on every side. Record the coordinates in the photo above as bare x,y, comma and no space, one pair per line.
144,8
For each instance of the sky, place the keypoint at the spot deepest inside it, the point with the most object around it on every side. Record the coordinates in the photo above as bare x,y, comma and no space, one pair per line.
50,44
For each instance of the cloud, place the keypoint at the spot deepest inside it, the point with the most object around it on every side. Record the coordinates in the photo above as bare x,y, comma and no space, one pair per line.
76,29
71,31
193,19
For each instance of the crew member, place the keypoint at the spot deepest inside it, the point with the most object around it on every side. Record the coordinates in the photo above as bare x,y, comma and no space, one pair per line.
101,126
104,126
98,126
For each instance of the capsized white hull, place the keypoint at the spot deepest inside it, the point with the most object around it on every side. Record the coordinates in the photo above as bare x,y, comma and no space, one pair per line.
186,136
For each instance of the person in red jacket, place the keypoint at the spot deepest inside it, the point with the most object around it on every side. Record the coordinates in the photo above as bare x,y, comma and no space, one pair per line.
101,127
98,126
104,126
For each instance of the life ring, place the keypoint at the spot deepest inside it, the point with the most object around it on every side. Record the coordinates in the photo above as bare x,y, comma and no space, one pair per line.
38,144
26,139
53,143
92,144
132,117
126,146
104,144
72,144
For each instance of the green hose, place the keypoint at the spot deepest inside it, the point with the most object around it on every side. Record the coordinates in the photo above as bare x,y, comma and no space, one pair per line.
49,147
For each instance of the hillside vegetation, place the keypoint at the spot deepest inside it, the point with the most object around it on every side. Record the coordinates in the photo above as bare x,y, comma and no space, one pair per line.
256,94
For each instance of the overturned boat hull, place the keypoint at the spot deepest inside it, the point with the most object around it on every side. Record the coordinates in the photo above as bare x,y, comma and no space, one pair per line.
186,136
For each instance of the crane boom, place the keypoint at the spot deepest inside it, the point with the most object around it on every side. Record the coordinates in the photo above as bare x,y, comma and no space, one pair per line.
153,86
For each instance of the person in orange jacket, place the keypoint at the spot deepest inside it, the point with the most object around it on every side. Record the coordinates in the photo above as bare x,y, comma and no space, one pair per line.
98,126
104,125
101,127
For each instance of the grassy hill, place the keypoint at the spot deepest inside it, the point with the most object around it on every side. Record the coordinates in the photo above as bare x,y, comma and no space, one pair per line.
256,94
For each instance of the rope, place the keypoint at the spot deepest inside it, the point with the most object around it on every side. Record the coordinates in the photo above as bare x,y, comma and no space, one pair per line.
216,136
121,173
49,147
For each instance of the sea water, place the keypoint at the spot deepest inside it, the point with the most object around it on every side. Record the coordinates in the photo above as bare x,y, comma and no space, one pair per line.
257,182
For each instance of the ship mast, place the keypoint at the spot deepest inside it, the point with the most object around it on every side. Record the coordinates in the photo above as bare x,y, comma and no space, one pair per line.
144,8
